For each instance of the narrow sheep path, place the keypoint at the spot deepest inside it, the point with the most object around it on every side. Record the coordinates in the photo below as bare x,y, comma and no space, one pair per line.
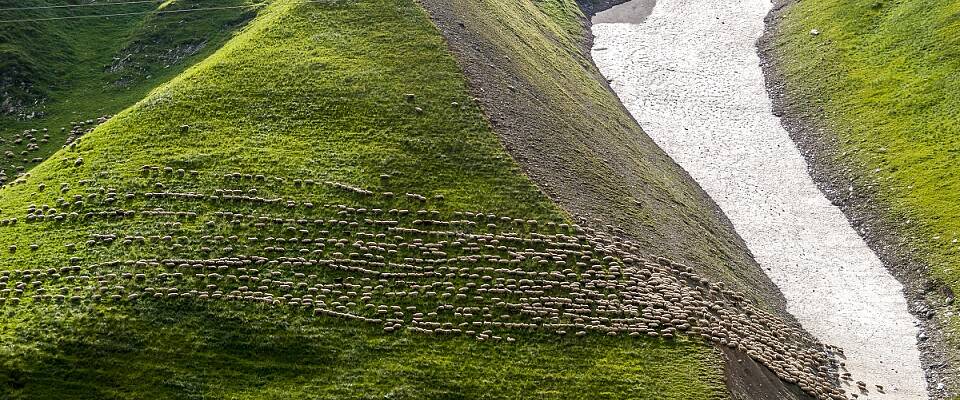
690,74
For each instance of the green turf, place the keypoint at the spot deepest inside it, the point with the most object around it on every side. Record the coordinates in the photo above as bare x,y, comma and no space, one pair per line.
308,90
65,71
885,75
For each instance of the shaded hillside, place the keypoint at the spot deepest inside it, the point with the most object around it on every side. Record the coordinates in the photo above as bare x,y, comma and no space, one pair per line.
528,64
64,66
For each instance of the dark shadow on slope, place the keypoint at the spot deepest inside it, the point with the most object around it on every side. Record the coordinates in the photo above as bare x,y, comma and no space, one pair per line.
166,350
631,12
56,73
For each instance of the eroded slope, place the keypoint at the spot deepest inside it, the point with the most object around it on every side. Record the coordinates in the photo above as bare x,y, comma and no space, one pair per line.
529,66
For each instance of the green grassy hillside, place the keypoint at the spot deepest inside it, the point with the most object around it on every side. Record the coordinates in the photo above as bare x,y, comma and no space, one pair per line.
62,71
151,258
885,75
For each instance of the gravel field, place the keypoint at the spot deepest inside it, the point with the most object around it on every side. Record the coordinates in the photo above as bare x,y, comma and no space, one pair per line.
691,76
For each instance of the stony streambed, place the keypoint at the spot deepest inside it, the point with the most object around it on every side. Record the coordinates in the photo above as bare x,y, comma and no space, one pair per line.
690,74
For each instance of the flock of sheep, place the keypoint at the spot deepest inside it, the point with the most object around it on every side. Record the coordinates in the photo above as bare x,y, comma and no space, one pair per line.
21,145
390,262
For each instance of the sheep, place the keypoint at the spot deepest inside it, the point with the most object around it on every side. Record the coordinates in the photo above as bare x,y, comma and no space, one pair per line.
617,291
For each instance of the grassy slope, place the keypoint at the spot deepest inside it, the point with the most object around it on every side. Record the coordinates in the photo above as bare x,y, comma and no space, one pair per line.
576,139
885,74
71,66
307,90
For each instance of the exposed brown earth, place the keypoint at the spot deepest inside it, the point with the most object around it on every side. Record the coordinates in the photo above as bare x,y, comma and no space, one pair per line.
596,162
750,380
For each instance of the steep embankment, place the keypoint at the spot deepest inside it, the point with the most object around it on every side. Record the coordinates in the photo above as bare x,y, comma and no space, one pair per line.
529,66
189,301
866,89
64,66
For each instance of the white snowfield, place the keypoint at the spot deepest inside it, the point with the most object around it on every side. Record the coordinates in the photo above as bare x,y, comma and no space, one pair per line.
691,76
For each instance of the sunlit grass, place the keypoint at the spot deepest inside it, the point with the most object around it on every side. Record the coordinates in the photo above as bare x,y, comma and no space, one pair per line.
308,90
